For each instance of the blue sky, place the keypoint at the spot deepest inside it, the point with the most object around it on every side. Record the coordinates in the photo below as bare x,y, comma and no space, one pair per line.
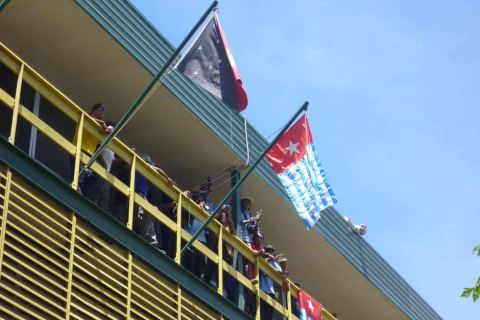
394,109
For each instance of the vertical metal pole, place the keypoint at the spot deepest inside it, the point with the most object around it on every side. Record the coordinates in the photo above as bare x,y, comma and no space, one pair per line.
144,94
129,285
78,151
131,194
70,267
179,302
257,288
289,301
237,218
16,106
74,185
178,256
8,184
220,261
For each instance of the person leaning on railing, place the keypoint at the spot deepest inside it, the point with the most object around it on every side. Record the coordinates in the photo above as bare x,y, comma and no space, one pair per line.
90,184
266,283
194,260
225,218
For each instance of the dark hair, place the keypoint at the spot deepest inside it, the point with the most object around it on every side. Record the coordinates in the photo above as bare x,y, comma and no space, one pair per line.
98,106
244,200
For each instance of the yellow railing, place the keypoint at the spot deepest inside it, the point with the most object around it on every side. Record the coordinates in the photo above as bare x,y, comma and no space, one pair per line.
53,266
85,123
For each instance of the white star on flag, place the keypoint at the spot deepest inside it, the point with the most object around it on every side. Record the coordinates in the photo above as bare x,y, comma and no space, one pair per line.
293,147
200,48
310,305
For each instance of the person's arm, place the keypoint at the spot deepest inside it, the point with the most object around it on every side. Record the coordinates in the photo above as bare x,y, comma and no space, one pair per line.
164,174
231,225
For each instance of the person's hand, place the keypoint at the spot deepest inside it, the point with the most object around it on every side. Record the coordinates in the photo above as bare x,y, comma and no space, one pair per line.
261,252
258,215
108,129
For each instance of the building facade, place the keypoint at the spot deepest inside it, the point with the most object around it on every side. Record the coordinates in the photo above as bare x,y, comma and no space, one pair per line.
62,256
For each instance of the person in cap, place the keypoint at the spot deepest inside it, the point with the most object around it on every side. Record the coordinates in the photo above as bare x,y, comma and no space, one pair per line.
267,284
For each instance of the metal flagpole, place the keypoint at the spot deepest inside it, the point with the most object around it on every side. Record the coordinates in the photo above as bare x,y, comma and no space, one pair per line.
138,101
304,107
4,4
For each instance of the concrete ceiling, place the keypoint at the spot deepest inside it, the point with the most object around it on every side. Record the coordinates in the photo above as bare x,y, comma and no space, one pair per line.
67,47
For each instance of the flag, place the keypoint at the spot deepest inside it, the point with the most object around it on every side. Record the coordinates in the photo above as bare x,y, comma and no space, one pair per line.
310,309
210,64
295,161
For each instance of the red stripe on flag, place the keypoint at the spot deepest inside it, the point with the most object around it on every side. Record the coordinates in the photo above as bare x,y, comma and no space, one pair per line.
242,99
291,147
313,309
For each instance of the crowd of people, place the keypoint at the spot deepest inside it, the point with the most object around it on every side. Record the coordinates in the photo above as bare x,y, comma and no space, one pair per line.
116,203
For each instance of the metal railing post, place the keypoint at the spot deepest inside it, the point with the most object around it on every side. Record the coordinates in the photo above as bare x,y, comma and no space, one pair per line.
16,105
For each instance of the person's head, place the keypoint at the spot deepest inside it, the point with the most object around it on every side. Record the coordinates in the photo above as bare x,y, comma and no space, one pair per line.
99,111
361,228
270,249
206,187
198,197
146,157
246,204
227,209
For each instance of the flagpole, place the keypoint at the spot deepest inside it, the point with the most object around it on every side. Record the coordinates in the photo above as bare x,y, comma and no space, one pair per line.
304,107
138,101
4,4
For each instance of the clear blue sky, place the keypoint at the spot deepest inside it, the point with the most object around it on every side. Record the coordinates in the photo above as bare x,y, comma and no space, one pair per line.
394,88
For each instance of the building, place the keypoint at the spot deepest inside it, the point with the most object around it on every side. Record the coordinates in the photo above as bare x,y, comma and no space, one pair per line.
62,257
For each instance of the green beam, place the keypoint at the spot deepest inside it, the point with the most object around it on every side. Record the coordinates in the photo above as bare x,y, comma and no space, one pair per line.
4,4
41,177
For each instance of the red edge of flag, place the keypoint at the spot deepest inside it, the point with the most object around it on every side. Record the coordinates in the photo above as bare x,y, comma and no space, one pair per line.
242,99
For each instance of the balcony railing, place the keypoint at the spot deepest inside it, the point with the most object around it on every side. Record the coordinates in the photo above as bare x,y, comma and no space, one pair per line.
284,306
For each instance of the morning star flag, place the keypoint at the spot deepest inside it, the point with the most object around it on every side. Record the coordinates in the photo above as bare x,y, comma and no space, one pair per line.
295,161
210,64
310,309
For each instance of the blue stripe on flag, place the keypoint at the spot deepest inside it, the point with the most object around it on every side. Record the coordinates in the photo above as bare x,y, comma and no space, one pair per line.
306,185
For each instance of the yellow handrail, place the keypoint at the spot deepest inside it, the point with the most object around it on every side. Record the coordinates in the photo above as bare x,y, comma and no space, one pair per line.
85,123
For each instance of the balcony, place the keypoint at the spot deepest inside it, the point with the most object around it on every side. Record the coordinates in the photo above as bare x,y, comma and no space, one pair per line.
61,256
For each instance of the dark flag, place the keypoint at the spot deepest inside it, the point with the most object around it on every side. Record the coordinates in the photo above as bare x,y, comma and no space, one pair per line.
210,63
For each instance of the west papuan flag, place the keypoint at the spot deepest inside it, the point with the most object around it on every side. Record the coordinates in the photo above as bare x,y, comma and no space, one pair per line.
296,163
310,309
210,64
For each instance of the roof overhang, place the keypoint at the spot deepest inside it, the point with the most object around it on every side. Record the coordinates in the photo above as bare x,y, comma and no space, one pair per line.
70,49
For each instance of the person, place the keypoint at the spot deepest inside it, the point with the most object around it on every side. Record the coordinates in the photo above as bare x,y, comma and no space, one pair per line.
250,271
361,229
266,283
247,228
206,189
90,184
118,201
165,236
225,218
143,224
195,261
